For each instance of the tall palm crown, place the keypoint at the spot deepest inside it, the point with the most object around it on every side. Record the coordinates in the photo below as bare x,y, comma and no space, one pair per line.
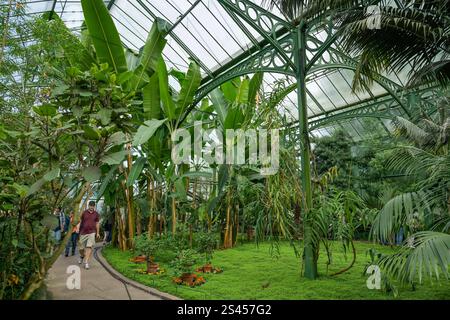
411,35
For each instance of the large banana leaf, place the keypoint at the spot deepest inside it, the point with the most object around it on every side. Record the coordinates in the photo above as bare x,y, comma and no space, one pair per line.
243,91
220,104
136,170
166,98
230,89
151,101
152,51
254,86
132,59
146,131
105,37
235,118
189,86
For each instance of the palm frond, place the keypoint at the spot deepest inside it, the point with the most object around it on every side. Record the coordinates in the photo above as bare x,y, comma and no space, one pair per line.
394,215
429,255
410,130
438,71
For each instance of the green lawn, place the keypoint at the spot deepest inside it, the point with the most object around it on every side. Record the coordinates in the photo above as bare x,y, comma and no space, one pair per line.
247,268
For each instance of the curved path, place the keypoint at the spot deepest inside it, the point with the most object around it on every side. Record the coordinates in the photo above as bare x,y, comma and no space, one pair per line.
100,282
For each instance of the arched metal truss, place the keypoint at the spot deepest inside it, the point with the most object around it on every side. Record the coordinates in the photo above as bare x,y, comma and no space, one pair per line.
275,53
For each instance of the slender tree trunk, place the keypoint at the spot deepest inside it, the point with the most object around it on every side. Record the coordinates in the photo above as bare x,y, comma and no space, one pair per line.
351,264
37,279
228,237
174,214
236,219
130,214
150,205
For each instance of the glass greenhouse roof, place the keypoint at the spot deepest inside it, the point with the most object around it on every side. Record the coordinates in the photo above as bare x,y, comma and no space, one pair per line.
211,36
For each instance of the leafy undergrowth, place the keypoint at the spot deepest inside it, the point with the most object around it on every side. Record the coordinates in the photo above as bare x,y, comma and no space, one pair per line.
251,272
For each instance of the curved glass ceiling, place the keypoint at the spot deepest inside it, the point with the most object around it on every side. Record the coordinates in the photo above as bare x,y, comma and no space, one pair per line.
209,35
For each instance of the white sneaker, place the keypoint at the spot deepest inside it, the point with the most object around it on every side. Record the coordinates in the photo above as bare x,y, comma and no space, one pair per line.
80,260
86,266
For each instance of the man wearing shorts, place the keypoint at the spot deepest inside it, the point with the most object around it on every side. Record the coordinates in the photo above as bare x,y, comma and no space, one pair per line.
89,230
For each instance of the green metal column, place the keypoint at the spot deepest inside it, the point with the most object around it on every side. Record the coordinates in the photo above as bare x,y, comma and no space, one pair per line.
310,252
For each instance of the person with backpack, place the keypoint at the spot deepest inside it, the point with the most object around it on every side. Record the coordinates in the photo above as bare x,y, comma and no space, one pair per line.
72,243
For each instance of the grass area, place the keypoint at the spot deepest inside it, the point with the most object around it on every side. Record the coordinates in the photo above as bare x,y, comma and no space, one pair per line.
248,268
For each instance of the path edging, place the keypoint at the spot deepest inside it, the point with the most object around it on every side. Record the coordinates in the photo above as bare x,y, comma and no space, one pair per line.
137,285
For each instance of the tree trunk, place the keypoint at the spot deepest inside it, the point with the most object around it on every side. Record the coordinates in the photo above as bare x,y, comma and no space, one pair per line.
236,219
351,264
228,237
37,279
174,214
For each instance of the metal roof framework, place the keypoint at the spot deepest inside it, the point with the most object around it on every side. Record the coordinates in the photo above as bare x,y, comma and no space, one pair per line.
223,35
229,38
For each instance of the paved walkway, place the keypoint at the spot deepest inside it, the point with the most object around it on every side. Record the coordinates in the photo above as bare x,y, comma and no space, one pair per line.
96,283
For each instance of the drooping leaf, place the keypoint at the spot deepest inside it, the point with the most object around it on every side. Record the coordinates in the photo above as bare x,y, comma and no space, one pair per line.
197,174
114,158
222,177
91,174
136,170
243,91
91,133
177,74
118,138
254,87
234,119
35,187
166,98
106,181
180,189
219,103
152,50
189,86
229,90
104,35
46,110
146,131
105,116
52,175
152,102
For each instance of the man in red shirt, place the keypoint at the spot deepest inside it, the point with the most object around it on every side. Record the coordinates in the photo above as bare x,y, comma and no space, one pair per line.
89,230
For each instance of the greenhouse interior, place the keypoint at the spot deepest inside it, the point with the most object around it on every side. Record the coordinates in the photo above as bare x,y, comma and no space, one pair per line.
224,150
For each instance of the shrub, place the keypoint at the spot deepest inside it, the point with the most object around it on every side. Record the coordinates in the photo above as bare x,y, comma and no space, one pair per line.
184,262
147,246
206,243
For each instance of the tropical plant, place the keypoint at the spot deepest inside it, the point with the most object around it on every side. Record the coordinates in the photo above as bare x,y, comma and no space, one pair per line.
147,246
206,244
426,159
413,33
184,262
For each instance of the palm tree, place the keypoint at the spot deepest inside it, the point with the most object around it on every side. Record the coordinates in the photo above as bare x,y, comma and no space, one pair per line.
425,158
412,36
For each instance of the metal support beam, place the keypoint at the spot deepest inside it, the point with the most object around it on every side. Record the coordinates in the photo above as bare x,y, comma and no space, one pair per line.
184,15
